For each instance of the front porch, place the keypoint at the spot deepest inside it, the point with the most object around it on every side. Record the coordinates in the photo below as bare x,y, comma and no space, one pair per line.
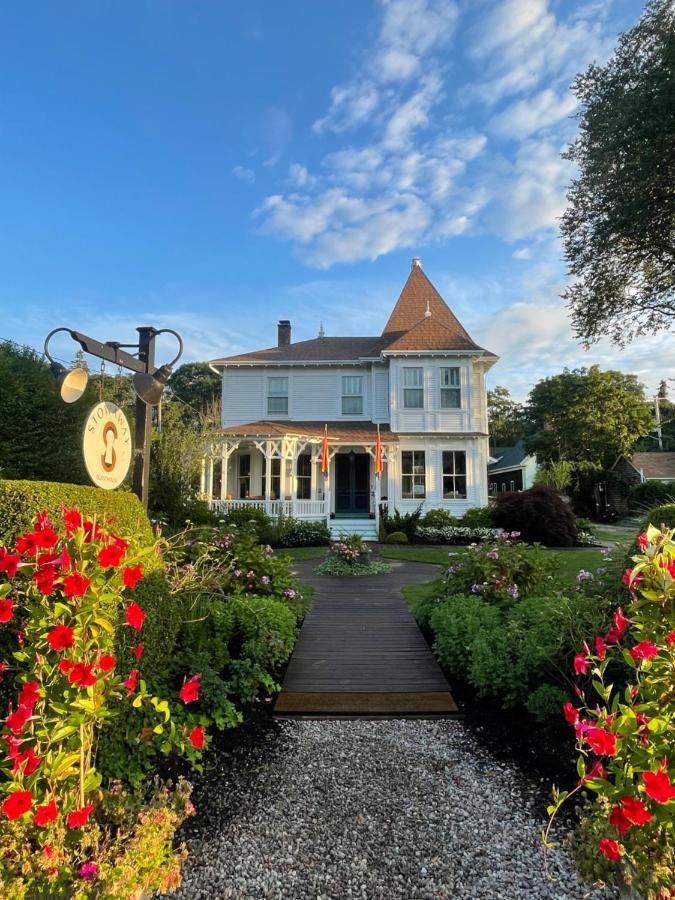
281,474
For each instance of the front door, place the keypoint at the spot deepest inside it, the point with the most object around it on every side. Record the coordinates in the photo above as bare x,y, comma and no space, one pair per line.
352,496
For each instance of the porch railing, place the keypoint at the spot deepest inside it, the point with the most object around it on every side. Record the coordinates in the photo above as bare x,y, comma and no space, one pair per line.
298,509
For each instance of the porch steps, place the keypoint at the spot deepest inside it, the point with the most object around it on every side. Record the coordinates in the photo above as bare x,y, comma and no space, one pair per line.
343,526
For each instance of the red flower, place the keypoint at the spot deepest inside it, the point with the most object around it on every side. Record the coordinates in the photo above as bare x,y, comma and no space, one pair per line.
643,650
130,683
46,814
581,664
61,637
111,556
642,541
670,638
635,811
597,770
138,651
92,532
72,519
658,786
79,817
6,609
629,581
18,803
26,762
107,662
45,579
196,737
611,849
28,543
600,648
82,675
75,585
571,713
131,576
65,665
619,818
135,616
16,721
190,690
601,742
65,562
9,562
30,694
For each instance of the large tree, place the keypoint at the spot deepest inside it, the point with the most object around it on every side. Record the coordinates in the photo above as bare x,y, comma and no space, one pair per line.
505,416
587,416
196,387
619,227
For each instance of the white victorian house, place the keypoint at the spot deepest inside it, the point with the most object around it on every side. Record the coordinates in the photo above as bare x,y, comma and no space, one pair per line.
422,381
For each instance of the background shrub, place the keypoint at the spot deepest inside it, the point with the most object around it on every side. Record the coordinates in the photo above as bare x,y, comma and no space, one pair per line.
660,515
21,501
650,494
396,537
406,523
247,516
289,532
438,518
479,517
539,514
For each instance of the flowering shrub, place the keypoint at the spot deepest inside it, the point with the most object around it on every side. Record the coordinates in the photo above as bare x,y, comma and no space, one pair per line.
350,549
350,556
502,572
65,593
454,534
625,738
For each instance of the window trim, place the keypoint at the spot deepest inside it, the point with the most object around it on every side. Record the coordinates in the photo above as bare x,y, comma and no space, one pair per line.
412,475
452,477
352,396
449,388
417,388
303,479
278,395
243,478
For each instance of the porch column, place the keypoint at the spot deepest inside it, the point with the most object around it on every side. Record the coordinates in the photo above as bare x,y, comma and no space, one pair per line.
224,460
267,464
202,477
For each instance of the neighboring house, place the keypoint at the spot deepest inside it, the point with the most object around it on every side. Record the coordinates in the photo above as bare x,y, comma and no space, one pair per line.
612,496
510,469
422,381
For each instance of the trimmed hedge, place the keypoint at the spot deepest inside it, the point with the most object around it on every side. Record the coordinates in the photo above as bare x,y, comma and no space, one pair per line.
21,501
396,537
650,494
660,515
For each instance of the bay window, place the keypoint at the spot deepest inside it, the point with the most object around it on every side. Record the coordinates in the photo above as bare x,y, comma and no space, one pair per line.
413,388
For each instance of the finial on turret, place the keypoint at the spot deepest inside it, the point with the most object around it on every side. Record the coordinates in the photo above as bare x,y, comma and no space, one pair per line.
416,262
322,333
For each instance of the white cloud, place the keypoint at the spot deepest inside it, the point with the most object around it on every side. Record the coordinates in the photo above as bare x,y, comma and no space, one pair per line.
527,116
244,174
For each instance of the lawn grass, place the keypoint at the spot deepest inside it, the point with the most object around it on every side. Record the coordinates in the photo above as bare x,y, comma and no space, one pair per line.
615,535
571,561
303,552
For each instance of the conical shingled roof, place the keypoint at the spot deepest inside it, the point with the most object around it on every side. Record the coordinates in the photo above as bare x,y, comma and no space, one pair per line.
423,320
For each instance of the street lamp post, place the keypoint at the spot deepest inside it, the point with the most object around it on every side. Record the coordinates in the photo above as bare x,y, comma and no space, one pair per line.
148,384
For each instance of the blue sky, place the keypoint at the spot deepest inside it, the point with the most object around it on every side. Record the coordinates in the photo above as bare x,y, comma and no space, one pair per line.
214,166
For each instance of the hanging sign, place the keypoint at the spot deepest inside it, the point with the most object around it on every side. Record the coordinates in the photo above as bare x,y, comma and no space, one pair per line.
106,445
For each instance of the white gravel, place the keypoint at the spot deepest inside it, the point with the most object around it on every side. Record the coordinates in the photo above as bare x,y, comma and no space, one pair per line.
370,809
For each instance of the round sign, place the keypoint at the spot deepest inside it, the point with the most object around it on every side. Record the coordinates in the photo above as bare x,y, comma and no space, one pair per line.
106,444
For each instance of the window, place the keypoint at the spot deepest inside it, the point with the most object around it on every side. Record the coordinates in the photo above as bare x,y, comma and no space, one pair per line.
275,465
451,392
454,475
413,388
244,475
413,475
352,395
304,476
277,396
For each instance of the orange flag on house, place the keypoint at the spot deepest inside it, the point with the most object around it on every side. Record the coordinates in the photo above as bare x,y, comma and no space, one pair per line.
324,452
378,455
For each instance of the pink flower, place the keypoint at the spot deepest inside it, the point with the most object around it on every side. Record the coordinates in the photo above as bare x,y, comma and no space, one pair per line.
88,871
642,541
643,650
130,683
571,713
581,664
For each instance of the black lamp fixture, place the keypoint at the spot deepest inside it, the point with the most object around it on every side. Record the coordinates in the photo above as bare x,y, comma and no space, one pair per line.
150,385
71,383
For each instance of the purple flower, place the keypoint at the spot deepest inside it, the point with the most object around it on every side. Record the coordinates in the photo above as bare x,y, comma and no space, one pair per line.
88,871
515,535
584,576
290,593
492,554
477,588
512,591
265,580
237,573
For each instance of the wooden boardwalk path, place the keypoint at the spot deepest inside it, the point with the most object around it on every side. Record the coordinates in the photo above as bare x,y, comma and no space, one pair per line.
360,651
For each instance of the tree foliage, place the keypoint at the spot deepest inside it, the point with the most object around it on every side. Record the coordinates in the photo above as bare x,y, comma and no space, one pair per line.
619,227
506,418
197,388
586,415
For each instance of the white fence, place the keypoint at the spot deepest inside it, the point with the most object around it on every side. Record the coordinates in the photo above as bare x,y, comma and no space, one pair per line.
298,509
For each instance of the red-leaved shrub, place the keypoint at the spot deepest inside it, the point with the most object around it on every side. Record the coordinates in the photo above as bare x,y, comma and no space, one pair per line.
539,514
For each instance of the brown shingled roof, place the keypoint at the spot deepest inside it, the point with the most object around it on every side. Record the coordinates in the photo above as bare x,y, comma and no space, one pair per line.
421,320
658,464
340,432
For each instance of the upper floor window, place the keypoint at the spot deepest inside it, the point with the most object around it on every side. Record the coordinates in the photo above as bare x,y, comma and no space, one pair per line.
352,395
277,395
454,475
413,388
413,475
451,392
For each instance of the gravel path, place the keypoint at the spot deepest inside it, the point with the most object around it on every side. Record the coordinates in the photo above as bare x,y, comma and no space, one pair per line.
369,809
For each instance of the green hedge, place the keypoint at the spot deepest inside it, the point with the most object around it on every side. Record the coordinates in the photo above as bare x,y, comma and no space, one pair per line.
660,515
20,501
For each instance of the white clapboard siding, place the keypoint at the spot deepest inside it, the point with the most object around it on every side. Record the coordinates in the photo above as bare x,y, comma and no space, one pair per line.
243,397
380,396
315,395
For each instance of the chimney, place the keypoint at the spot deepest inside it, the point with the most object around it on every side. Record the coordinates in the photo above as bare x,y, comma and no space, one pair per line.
416,263
283,333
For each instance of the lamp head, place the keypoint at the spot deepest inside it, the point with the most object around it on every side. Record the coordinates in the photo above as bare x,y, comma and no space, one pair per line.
71,383
149,387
